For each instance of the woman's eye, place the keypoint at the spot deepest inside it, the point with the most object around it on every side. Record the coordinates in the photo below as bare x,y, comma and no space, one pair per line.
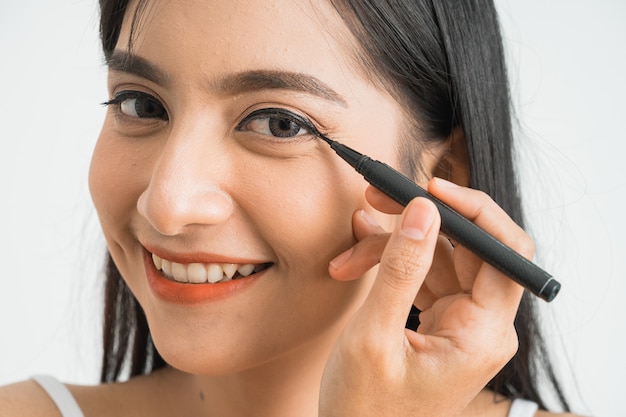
278,123
139,105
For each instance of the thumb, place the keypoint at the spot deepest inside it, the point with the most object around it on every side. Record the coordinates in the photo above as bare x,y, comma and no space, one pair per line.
404,265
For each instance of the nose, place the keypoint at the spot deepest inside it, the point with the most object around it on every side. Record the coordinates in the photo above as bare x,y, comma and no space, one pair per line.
186,185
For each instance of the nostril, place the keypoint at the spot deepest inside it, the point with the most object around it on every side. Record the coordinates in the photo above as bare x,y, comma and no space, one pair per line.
170,209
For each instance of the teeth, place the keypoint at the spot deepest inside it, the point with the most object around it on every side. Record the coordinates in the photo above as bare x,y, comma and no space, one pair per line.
179,272
230,269
214,273
166,267
245,270
158,262
198,273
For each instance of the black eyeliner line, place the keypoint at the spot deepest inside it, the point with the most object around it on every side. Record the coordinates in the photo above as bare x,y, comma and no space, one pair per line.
124,95
284,113
275,111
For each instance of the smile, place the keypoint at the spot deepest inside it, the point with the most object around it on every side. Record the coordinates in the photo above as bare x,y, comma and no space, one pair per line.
203,273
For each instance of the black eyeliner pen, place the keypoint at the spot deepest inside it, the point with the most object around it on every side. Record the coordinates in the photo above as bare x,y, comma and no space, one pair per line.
455,226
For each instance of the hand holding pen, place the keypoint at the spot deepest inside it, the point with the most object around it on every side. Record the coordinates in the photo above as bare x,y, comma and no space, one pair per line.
453,224
468,309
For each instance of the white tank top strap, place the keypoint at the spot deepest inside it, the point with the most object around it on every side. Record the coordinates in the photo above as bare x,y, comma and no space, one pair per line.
61,396
523,408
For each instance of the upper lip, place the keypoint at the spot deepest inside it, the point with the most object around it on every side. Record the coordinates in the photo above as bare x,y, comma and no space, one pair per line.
201,257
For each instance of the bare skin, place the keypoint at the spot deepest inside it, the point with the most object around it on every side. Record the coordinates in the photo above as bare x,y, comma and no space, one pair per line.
195,179
165,393
171,392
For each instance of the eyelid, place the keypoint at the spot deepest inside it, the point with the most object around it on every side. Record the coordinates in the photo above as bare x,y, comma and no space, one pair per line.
123,95
280,112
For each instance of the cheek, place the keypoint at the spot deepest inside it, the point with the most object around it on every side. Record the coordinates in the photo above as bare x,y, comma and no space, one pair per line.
115,182
304,212
305,208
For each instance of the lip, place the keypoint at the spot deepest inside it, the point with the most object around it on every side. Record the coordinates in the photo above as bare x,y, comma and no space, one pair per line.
187,293
202,258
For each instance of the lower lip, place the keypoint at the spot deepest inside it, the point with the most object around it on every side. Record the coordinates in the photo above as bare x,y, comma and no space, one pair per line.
186,293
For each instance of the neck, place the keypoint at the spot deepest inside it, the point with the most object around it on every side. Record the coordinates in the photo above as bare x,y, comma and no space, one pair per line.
286,385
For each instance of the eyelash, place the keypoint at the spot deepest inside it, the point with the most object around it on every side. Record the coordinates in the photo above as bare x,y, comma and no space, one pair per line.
280,115
277,114
120,98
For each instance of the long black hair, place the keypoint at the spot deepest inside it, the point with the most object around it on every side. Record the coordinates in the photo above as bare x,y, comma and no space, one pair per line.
444,61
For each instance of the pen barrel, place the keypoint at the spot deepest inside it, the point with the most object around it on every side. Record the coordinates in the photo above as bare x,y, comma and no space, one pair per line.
463,231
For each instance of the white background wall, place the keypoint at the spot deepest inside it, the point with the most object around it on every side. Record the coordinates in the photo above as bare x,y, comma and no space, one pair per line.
568,70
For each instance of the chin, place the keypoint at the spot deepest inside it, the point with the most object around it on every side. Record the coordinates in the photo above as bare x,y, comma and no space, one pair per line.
212,361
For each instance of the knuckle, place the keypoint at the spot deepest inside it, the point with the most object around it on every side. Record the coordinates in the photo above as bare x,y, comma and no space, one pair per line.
524,245
483,197
482,200
527,247
372,348
508,348
369,347
495,355
509,345
513,344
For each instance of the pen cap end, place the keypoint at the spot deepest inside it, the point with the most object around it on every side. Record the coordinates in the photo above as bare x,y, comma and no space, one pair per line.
550,290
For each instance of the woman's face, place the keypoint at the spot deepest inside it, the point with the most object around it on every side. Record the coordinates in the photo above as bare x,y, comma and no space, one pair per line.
193,168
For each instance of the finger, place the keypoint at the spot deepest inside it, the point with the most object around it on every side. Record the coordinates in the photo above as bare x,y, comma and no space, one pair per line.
479,208
424,299
404,265
466,265
441,279
491,287
364,225
382,202
366,253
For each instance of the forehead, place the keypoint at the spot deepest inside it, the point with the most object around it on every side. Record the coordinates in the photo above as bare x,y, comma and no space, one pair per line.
236,35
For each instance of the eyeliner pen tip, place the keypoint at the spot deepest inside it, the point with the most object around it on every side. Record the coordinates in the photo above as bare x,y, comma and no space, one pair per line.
326,139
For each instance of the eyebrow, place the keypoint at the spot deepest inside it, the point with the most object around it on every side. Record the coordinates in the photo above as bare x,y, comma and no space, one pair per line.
232,84
127,62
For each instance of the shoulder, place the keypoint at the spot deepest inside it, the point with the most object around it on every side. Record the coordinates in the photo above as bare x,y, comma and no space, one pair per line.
26,399
29,399
134,397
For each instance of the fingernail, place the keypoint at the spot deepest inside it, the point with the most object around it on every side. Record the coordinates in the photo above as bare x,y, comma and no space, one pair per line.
341,260
417,221
445,183
368,219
